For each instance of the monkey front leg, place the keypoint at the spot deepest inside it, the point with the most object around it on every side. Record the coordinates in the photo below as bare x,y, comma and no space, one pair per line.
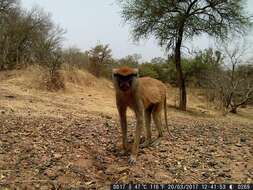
135,147
123,125
147,141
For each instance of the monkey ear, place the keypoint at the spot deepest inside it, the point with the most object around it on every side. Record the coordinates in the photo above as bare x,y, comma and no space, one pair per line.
114,71
136,72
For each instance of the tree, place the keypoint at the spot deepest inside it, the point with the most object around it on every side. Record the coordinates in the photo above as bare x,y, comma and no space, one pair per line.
73,57
23,32
9,17
7,5
147,69
162,68
197,68
173,22
230,83
48,50
99,56
130,60
239,89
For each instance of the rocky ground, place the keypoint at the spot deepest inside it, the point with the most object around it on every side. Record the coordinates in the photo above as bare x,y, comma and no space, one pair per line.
49,144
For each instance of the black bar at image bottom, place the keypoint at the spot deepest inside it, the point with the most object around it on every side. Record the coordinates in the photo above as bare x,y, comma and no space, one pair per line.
182,186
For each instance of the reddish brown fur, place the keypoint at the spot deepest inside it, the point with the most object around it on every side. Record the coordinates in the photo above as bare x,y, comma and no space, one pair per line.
124,71
146,97
152,91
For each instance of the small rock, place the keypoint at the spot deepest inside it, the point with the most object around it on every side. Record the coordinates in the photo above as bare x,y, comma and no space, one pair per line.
107,125
83,163
89,183
2,177
172,169
52,174
164,156
224,175
185,148
212,163
206,175
161,175
238,145
10,96
163,150
124,179
44,187
123,169
57,156
195,164
108,117
100,172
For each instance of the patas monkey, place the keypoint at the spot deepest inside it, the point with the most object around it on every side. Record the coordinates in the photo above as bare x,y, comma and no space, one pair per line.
145,96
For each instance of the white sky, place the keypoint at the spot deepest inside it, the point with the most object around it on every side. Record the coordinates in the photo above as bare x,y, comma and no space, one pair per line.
89,22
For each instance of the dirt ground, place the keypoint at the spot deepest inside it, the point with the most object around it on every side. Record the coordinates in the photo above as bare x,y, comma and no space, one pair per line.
71,139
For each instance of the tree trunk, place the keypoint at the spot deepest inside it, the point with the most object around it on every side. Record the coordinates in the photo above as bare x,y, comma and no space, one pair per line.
180,76
233,110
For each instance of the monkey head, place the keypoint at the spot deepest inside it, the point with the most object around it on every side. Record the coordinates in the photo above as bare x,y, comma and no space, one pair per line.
124,78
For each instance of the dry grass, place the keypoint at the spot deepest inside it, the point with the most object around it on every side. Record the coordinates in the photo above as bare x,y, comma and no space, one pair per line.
85,93
73,134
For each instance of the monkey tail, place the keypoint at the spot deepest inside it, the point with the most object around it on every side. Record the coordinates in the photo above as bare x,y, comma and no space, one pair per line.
165,116
165,113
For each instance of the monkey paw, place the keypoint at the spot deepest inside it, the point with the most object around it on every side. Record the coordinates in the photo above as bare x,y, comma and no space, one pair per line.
132,160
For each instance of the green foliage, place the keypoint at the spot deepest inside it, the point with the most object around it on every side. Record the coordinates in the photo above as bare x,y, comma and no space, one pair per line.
163,19
100,53
27,37
230,84
73,57
148,70
100,57
172,22
30,37
195,69
246,71
130,60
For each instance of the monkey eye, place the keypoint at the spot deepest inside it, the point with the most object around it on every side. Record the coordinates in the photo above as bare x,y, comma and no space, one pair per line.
127,76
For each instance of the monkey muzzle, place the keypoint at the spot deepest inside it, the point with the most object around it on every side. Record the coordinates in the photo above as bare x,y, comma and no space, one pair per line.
124,86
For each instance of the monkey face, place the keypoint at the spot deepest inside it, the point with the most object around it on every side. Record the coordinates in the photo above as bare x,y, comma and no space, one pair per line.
124,78
125,82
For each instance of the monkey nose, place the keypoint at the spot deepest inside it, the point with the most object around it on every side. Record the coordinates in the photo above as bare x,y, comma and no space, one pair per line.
124,87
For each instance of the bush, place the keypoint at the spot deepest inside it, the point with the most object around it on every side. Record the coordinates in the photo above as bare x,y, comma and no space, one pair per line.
99,57
148,70
29,37
55,82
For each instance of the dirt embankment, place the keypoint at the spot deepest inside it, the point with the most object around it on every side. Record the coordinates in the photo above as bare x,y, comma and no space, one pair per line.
68,139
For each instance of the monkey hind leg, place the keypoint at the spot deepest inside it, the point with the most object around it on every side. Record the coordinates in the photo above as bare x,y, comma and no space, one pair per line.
156,113
136,144
157,116
147,141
